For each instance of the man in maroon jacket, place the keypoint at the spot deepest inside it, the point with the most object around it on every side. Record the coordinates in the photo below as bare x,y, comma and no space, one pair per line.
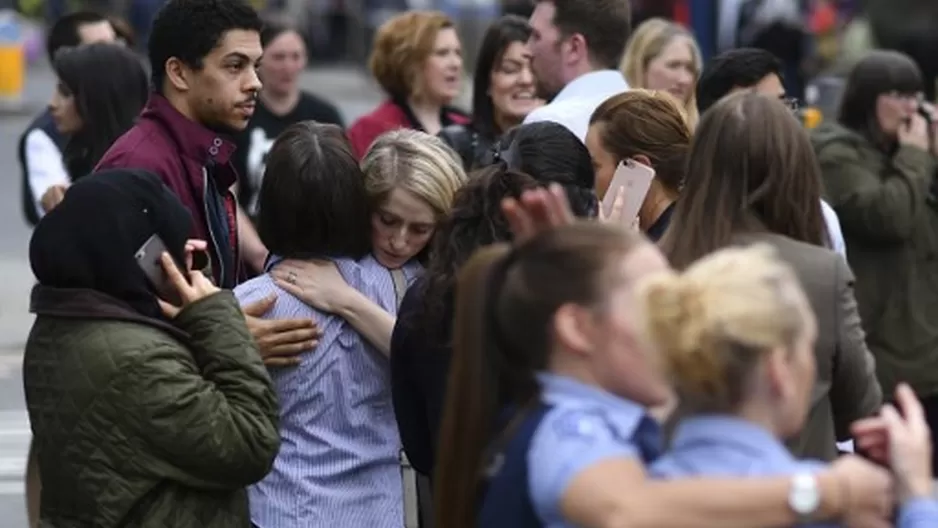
203,55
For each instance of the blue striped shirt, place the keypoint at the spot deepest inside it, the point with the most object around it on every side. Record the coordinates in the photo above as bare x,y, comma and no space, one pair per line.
338,464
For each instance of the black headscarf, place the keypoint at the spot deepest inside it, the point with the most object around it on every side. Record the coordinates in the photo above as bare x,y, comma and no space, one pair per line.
89,240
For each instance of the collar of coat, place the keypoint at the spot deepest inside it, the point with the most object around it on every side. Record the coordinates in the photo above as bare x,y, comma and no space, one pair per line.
79,303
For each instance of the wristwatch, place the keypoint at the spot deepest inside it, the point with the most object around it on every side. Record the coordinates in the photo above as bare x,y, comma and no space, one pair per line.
804,497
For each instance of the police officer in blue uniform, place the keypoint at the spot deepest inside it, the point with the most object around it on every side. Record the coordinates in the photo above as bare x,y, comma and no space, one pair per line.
742,355
545,424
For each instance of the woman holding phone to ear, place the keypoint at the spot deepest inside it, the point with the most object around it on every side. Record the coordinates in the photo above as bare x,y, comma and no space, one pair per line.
143,412
648,128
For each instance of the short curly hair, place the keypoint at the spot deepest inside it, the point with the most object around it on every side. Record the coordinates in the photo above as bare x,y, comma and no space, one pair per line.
190,29
401,47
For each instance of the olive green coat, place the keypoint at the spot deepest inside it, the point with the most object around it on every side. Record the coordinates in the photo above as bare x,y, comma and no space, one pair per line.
889,217
139,423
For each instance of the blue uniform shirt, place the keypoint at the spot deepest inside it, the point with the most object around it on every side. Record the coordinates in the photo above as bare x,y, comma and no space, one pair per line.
728,446
583,426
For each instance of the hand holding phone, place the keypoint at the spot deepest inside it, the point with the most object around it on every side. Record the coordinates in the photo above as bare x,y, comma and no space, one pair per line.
190,287
149,258
630,183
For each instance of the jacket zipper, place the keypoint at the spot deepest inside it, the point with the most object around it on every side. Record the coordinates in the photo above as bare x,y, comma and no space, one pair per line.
229,195
208,222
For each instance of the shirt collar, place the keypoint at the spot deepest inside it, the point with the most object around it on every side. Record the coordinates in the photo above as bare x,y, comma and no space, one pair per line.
587,84
560,390
193,139
272,261
730,432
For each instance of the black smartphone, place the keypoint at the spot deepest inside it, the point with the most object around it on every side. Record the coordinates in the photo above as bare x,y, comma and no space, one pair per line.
149,259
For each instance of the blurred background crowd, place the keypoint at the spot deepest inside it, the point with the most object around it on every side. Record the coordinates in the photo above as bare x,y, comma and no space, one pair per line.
814,38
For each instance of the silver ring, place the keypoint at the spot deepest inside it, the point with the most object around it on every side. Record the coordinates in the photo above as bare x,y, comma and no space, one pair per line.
291,278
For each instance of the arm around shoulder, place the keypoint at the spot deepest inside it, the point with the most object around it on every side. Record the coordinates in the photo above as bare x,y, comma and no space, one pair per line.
583,473
855,390
618,494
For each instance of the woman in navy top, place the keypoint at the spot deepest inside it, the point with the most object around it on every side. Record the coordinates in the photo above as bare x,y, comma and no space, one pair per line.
545,423
737,335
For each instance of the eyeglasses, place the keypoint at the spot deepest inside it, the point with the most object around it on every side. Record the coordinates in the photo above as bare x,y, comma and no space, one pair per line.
792,103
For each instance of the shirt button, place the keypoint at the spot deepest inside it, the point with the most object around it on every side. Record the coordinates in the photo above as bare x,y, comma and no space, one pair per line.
213,151
216,142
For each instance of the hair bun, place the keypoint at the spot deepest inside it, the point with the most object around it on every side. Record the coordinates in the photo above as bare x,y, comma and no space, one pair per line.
676,315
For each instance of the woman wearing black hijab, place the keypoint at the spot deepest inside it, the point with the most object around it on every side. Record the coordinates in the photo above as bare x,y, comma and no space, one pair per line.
141,416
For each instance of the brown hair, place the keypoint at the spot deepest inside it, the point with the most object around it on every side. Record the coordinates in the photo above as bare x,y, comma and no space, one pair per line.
505,302
604,24
313,198
754,170
647,42
401,46
650,123
713,324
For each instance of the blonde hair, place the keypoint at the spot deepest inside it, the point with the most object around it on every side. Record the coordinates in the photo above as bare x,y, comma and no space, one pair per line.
712,324
401,47
416,162
646,43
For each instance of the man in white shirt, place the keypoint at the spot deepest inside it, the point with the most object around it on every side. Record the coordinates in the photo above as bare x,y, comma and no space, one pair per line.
40,146
576,46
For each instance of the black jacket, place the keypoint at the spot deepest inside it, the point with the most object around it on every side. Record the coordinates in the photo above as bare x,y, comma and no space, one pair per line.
473,148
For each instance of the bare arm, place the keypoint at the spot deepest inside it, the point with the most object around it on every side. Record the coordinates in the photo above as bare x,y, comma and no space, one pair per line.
583,473
369,319
320,285
617,494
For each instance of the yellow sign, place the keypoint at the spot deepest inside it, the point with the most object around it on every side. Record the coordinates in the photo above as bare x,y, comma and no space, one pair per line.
812,117
12,70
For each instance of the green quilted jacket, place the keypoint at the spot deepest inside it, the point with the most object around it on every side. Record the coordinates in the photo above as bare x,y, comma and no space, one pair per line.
139,423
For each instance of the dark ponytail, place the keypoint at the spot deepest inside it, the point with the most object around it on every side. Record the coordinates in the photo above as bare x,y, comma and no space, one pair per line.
505,304
468,418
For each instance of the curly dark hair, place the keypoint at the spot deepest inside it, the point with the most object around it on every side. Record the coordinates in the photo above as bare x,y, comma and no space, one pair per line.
190,29
476,220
